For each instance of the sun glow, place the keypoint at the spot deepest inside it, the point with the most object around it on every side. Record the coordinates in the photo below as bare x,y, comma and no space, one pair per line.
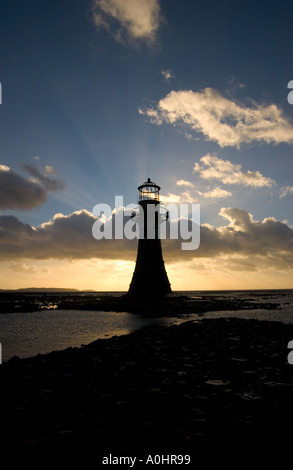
115,275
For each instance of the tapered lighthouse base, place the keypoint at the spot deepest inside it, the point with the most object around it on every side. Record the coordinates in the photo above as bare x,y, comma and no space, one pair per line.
150,277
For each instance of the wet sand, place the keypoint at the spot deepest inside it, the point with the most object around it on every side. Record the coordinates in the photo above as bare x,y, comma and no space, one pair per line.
220,390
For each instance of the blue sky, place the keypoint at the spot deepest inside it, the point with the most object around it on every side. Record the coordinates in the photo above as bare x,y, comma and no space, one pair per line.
99,95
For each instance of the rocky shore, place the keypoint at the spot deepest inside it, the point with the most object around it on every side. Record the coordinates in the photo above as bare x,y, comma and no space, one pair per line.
219,390
174,304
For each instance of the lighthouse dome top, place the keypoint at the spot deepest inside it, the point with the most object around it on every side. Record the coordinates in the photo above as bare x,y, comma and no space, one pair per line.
148,191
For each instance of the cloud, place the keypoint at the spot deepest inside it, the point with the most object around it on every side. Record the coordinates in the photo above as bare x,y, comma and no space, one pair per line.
286,191
183,198
48,183
128,20
234,85
185,183
190,195
171,199
49,170
189,136
243,244
167,74
4,168
216,193
259,245
17,192
23,268
63,237
220,119
245,236
213,167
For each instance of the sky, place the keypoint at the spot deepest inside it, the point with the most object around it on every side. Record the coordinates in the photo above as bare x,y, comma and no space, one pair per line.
99,95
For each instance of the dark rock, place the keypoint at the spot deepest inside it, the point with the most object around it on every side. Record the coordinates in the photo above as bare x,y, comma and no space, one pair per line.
207,388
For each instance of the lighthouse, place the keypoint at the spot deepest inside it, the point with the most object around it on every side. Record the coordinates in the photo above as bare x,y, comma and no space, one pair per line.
150,276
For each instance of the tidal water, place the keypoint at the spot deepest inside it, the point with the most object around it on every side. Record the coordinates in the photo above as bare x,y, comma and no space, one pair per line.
30,333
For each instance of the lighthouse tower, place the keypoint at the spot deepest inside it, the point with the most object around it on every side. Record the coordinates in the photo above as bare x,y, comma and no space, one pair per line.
149,277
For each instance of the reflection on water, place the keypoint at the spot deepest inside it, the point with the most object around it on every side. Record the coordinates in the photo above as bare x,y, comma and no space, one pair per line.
27,334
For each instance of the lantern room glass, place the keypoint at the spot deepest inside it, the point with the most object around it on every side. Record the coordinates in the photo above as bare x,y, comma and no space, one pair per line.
148,191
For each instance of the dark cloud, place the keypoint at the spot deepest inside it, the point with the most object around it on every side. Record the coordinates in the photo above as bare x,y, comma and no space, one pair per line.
48,183
256,244
17,192
20,193
242,244
63,237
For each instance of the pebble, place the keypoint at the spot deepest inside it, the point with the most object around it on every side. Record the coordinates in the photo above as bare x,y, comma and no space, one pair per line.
192,397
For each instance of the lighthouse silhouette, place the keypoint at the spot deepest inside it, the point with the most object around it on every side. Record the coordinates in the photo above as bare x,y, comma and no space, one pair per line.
150,276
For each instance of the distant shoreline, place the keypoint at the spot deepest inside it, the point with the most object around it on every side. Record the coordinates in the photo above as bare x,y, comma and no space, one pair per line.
92,291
